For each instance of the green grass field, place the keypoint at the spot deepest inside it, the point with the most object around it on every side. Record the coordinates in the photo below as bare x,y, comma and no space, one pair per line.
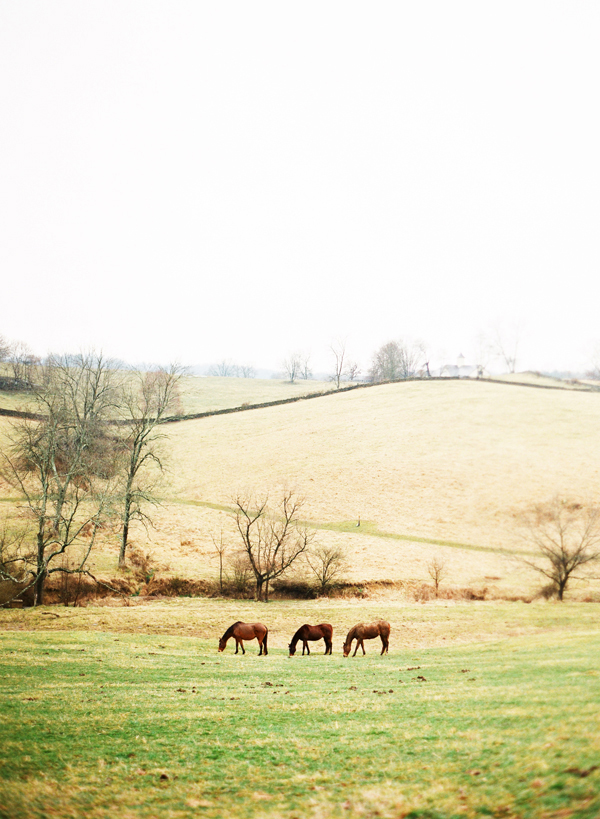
478,710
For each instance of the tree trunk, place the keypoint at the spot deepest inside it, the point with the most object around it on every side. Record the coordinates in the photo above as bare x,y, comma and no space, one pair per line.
259,585
125,532
41,572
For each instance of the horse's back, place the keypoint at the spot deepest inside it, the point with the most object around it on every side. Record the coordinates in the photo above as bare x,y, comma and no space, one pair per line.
380,628
248,631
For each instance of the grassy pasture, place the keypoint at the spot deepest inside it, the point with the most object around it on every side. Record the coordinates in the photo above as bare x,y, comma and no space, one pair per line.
478,710
205,394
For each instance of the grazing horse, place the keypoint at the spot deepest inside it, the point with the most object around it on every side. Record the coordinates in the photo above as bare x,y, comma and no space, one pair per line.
322,631
246,631
366,631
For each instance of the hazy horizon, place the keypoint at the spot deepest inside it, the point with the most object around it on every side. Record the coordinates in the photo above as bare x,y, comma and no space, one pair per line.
199,182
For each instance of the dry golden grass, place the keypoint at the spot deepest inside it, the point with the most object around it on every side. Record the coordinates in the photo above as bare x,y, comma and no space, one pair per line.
199,394
450,461
433,469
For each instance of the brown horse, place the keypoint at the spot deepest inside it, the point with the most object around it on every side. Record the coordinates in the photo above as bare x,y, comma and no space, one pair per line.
323,631
246,631
364,631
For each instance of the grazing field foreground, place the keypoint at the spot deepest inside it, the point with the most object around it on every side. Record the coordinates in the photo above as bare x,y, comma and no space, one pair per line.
485,709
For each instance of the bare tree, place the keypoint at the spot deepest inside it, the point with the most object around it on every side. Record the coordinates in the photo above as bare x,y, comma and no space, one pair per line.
506,345
147,399
338,348
63,464
240,571
225,368
567,537
305,368
352,371
436,569
396,360
246,371
271,537
221,550
594,372
484,351
292,367
24,364
4,348
328,564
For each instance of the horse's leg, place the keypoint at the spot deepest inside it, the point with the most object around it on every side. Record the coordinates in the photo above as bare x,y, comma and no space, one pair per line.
260,645
357,645
307,649
242,645
362,642
237,645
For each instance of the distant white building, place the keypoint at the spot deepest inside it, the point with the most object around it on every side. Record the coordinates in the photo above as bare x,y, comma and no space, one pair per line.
463,370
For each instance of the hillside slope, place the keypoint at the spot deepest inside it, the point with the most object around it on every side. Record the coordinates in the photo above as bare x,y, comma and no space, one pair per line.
431,468
438,460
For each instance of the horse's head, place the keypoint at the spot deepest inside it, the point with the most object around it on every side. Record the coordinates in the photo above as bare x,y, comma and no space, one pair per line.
346,649
222,644
292,650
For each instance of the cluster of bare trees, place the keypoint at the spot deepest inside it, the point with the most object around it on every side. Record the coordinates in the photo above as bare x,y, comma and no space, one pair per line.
296,366
229,369
88,459
397,360
272,541
20,364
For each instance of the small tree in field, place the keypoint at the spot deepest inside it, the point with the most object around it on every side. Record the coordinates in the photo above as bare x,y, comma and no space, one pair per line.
292,367
328,564
436,569
338,349
272,537
567,538
147,398
221,550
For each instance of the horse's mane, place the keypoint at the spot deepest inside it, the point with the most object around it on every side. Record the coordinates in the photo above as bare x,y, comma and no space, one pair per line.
352,633
297,636
229,631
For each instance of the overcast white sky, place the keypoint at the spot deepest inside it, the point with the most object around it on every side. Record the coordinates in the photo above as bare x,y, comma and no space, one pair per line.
197,181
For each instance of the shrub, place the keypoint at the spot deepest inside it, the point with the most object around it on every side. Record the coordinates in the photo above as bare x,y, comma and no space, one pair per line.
294,589
142,566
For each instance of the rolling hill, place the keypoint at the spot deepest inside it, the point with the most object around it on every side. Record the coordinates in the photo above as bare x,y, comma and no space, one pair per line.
431,468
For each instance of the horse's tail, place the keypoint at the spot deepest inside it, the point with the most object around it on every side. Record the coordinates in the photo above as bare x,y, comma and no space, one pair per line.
265,641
